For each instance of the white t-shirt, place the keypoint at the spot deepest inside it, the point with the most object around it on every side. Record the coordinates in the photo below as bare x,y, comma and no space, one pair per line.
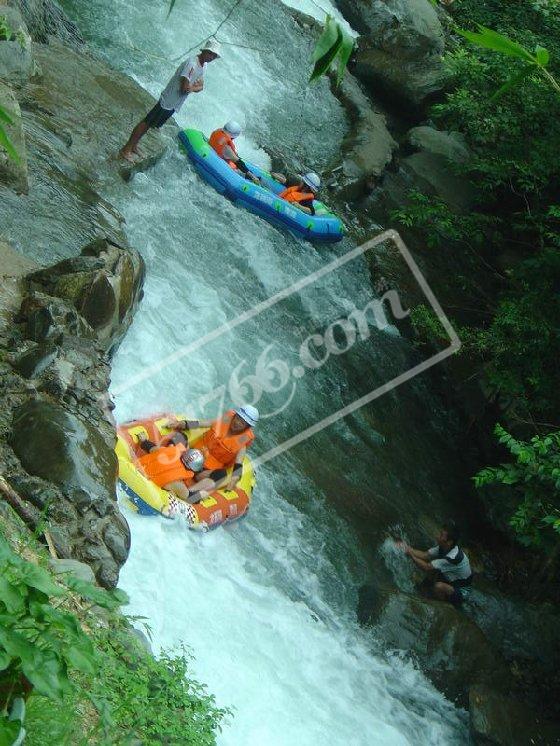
172,98
451,567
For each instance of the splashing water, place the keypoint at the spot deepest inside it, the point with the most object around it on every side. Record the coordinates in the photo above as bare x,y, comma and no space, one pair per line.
267,605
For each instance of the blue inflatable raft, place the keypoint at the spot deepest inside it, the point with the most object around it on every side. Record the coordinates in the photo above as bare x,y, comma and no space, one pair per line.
323,226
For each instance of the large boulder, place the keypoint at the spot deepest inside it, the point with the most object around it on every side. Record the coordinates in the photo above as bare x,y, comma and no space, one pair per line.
57,434
400,50
98,124
368,147
499,719
16,58
13,173
54,444
67,470
450,647
104,284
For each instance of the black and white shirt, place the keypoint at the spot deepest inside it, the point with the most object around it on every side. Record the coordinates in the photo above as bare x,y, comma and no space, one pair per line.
453,565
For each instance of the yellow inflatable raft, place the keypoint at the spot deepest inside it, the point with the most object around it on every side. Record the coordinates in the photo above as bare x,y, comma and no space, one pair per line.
146,498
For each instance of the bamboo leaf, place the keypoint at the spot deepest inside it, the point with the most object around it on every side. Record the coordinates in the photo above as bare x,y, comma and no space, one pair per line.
498,42
344,53
326,40
542,55
5,117
323,63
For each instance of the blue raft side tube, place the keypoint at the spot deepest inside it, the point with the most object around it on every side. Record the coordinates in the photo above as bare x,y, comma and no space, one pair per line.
213,169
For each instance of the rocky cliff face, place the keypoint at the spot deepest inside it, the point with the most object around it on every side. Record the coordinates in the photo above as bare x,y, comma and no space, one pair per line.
56,432
59,324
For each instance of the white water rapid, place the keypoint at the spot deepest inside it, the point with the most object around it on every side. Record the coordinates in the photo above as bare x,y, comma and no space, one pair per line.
267,605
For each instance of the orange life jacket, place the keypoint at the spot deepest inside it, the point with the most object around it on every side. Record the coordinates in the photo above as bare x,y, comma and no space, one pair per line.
164,465
220,448
218,140
292,194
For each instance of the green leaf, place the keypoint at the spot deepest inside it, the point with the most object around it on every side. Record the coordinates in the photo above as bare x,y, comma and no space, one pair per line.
326,40
323,63
16,645
346,49
12,596
38,578
5,660
5,117
542,55
82,659
47,673
9,731
498,42
106,599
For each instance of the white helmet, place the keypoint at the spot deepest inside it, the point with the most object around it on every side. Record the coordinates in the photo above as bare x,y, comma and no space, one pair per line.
312,180
249,414
212,45
193,459
233,128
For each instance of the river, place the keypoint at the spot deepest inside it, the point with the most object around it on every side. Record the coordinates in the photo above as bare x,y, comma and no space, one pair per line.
268,605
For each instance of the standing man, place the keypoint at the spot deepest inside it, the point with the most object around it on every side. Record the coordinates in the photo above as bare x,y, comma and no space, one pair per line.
188,78
448,565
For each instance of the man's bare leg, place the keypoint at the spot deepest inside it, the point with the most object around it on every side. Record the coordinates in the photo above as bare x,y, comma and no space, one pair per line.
443,591
131,147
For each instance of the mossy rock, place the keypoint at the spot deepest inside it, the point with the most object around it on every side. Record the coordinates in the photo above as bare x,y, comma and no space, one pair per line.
55,445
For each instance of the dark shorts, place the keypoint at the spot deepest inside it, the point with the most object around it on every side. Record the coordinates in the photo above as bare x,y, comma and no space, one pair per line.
218,474
158,116
461,588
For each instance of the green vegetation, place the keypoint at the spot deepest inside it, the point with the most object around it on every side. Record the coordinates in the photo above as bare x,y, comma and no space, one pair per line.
5,144
535,475
505,99
89,677
334,46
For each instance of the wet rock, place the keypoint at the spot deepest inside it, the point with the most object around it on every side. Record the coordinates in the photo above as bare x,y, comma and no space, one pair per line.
499,719
13,173
104,284
13,266
450,647
46,19
399,53
78,570
55,445
51,319
368,147
117,542
108,573
36,490
16,59
451,145
114,102
33,362
142,639
433,168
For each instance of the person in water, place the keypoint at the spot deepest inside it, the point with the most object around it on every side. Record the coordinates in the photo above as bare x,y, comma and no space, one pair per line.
175,467
188,78
302,191
222,140
223,445
448,566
